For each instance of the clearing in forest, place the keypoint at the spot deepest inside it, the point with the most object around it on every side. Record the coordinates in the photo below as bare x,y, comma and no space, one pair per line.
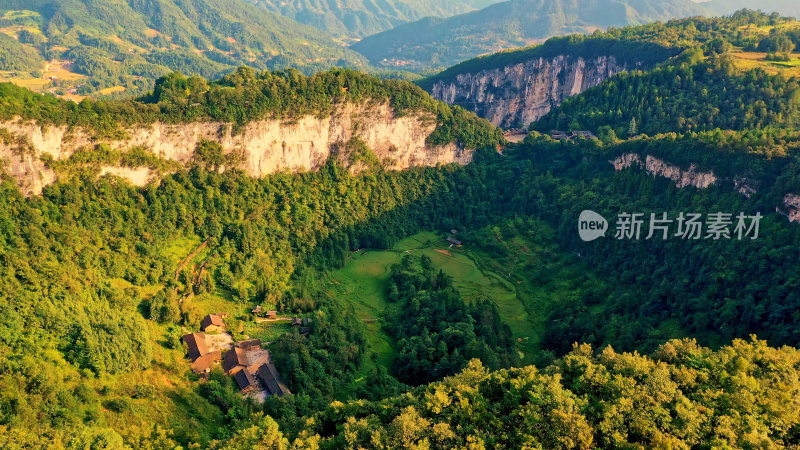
362,284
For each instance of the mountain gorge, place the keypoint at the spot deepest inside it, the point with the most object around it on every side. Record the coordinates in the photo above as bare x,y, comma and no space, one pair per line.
518,88
435,43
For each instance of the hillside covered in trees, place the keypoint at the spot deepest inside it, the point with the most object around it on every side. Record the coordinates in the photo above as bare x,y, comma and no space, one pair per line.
681,396
635,342
119,44
516,88
355,19
434,43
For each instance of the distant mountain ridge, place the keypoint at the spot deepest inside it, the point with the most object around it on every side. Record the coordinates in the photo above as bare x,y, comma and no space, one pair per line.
358,18
131,43
433,43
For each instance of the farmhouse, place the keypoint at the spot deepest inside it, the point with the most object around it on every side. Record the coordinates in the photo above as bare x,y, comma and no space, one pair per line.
196,345
257,310
583,135
454,241
236,359
271,380
212,323
248,355
204,363
271,314
250,344
245,381
577,134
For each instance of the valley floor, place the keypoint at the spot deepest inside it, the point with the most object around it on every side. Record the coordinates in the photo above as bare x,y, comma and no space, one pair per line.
507,278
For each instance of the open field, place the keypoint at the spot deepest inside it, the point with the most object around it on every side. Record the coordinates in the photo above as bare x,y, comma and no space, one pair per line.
57,78
266,331
179,249
111,90
362,283
753,60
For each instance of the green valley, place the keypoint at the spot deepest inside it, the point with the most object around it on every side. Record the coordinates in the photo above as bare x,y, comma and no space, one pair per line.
520,275
278,260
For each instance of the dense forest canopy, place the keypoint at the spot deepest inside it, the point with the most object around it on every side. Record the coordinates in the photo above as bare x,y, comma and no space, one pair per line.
644,342
682,395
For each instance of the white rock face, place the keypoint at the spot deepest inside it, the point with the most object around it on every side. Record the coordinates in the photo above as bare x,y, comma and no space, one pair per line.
519,94
682,178
138,176
625,161
268,146
29,171
658,167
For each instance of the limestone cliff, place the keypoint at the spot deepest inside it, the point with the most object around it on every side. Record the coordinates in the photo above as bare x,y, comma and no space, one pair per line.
265,147
518,94
658,167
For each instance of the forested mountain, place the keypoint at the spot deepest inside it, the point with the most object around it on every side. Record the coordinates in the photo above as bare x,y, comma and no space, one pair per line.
786,7
440,306
517,88
353,19
125,44
436,43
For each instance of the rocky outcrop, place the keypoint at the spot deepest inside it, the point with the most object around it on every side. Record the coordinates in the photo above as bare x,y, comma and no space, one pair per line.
658,167
31,174
701,180
519,94
137,176
265,147
682,178
791,204
625,161
744,186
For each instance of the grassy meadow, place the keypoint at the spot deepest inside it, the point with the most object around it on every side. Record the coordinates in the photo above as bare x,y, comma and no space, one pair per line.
522,278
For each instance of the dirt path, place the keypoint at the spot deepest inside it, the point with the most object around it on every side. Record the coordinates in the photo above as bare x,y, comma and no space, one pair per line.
279,319
190,257
202,268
